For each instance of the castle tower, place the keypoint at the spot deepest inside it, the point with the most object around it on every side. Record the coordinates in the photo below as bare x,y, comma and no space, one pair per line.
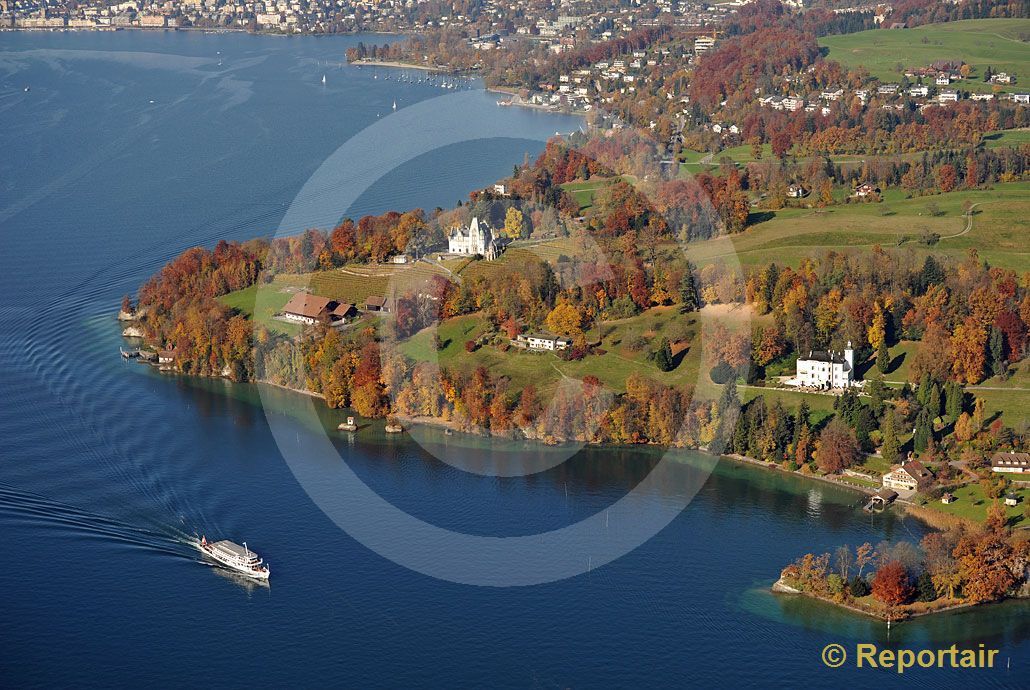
849,356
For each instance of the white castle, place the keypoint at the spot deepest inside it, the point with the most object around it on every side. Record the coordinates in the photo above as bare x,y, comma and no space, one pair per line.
475,239
826,369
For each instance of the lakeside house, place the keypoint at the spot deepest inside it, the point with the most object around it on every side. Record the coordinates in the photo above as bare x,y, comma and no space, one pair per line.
948,498
540,342
308,309
1012,462
910,476
826,369
477,238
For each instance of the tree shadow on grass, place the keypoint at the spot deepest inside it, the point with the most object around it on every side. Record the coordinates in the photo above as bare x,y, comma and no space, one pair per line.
756,217
896,363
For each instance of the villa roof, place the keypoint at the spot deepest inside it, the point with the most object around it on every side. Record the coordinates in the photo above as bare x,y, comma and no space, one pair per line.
824,356
541,336
1011,459
917,470
307,305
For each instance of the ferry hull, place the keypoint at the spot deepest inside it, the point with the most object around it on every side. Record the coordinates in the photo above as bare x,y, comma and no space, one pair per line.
259,574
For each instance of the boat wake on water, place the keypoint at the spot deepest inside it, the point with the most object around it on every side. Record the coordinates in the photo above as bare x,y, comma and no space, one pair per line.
40,509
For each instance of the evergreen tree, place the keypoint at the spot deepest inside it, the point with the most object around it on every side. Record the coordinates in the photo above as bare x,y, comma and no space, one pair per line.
996,351
883,357
923,390
663,356
877,394
727,408
933,401
802,417
932,274
688,290
891,448
925,591
923,432
953,395
859,587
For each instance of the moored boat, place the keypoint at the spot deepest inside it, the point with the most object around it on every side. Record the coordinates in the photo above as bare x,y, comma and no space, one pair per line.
236,557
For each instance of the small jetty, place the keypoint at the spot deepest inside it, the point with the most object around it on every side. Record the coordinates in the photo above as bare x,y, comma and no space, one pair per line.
129,354
349,425
394,428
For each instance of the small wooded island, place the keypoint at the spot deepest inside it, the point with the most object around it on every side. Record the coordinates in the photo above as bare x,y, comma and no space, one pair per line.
951,569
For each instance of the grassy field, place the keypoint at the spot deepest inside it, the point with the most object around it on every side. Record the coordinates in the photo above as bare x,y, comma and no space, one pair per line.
1007,137
973,505
521,367
260,303
583,191
355,283
998,43
998,231
627,343
548,251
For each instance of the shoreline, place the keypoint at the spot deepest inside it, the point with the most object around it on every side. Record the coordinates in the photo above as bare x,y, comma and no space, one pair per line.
781,587
773,467
196,29
366,62
518,102
922,514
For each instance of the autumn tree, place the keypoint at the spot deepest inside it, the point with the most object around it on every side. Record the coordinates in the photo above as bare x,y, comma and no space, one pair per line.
891,584
513,222
565,319
837,448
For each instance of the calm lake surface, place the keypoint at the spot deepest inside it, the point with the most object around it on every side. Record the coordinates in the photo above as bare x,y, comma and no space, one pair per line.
130,147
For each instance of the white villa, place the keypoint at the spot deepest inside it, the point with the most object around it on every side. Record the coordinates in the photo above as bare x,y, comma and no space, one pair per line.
540,341
826,369
475,239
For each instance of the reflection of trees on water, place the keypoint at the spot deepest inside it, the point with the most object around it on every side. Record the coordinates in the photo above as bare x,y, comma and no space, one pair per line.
602,475
997,626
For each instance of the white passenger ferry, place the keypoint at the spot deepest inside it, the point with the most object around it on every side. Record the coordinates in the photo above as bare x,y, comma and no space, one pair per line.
239,558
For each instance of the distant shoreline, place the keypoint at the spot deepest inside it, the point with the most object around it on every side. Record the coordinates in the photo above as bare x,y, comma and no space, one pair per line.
195,29
365,62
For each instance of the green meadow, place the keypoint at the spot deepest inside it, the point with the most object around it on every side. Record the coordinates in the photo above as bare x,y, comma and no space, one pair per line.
887,53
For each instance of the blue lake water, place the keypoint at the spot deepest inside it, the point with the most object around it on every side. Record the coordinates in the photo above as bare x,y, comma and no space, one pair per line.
130,147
